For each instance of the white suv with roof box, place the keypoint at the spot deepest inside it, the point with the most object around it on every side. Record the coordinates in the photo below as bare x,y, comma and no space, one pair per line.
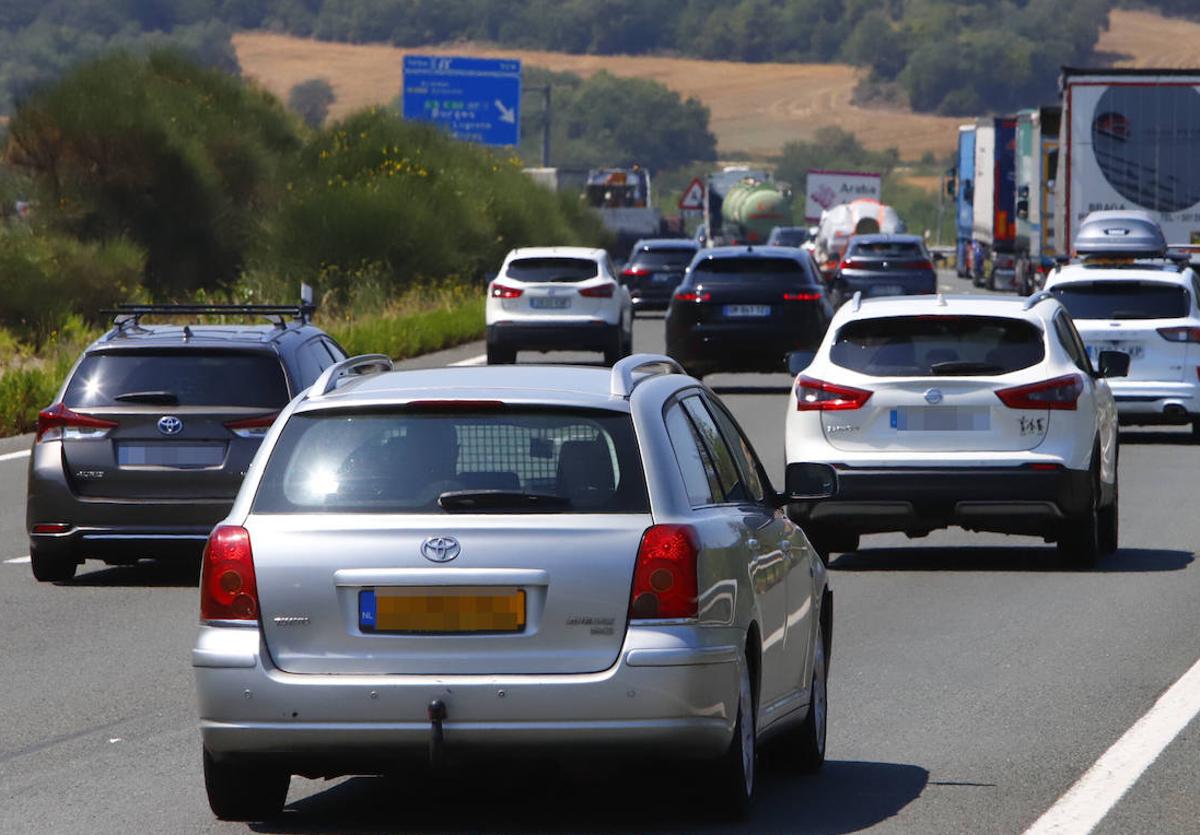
978,412
562,298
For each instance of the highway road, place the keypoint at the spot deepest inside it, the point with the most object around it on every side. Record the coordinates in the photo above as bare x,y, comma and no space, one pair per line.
973,683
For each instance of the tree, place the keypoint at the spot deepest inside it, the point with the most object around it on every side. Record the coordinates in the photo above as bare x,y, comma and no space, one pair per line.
311,100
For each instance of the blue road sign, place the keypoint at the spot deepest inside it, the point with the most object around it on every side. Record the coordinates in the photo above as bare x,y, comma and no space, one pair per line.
475,99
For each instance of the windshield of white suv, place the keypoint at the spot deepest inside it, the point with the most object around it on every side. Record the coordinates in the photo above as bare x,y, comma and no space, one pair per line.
922,346
1123,299
491,460
552,269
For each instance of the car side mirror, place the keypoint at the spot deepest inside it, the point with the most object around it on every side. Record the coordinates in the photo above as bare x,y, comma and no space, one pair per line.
1113,364
488,278
806,481
797,361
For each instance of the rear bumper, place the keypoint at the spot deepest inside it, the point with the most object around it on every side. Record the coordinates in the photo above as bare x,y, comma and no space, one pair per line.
1013,500
737,346
1155,402
666,692
588,335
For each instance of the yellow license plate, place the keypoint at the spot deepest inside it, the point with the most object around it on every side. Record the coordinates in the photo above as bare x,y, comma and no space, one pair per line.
442,611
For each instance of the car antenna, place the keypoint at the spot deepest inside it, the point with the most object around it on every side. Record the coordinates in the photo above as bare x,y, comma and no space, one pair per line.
187,332
941,300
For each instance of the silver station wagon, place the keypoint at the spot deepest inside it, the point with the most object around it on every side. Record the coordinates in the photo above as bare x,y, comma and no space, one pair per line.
426,564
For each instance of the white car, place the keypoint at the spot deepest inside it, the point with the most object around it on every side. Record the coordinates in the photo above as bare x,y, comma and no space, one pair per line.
1150,311
561,298
979,412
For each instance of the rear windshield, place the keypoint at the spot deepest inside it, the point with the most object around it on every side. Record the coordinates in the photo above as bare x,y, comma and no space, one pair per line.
938,346
789,237
888,249
678,258
193,378
420,462
553,269
1123,300
752,269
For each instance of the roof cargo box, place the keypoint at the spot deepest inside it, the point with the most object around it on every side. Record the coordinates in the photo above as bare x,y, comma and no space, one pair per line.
1120,233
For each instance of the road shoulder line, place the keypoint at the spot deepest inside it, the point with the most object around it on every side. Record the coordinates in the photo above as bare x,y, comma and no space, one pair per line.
13,456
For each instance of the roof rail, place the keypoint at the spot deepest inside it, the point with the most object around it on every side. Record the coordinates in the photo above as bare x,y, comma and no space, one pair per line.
856,301
130,315
352,367
623,382
1037,298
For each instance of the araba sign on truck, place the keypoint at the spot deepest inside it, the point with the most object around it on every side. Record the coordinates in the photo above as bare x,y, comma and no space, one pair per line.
826,189
1129,140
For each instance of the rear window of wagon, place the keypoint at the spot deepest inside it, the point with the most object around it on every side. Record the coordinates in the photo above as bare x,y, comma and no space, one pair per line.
403,461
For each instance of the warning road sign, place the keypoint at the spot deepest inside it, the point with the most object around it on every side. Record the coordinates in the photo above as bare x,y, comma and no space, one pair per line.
693,196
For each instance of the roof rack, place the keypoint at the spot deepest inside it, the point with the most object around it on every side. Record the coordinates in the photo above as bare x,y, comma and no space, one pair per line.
1037,298
358,366
130,315
623,382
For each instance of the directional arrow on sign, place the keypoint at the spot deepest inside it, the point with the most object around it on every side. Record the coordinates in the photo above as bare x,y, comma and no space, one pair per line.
507,114
693,196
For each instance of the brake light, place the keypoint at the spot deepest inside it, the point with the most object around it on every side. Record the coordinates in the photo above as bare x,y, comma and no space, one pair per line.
801,297
635,272
58,423
255,427
454,405
820,396
1060,394
664,579
693,296
228,590
922,265
51,527
602,291
1180,334
503,291
851,264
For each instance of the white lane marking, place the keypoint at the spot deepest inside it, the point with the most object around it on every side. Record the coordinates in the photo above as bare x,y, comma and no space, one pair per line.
13,456
479,360
17,561
947,288
1095,793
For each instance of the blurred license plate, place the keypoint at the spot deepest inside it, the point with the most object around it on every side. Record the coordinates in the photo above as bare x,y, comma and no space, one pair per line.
549,304
738,311
441,610
887,290
183,456
942,419
663,278
1135,350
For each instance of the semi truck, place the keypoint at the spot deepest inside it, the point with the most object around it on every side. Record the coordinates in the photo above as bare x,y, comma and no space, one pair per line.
622,198
1036,170
1128,142
993,227
964,200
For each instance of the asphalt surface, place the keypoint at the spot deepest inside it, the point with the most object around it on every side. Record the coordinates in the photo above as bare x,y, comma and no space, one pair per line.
972,684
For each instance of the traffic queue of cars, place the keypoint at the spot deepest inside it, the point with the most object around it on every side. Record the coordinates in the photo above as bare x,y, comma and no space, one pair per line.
408,565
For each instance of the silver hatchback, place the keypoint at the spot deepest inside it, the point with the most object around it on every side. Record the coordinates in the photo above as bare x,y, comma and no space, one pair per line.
425,564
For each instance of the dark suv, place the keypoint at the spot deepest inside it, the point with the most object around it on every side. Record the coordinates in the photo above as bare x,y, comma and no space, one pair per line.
655,268
150,436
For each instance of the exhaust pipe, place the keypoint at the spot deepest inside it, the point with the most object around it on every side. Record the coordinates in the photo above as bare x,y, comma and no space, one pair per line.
1175,412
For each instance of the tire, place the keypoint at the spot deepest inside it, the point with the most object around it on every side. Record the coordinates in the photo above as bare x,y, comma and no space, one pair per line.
806,745
734,776
52,565
500,356
991,280
1196,430
827,542
627,349
1110,523
1079,544
615,346
243,793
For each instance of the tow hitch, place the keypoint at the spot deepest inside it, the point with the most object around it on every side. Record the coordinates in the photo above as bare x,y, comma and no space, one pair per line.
437,714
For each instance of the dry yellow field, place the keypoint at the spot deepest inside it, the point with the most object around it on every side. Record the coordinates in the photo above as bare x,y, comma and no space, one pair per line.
756,108
1145,39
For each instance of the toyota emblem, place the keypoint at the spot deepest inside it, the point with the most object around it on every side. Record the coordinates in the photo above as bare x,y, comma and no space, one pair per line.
933,397
440,548
170,425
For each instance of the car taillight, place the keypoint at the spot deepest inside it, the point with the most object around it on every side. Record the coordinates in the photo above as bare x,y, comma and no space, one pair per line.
820,396
1181,334
58,423
503,291
1060,394
635,272
851,264
922,265
602,291
255,427
801,297
664,579
693,296
228,590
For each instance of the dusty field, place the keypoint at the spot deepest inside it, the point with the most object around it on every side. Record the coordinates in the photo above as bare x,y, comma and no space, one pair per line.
1145,39
756,108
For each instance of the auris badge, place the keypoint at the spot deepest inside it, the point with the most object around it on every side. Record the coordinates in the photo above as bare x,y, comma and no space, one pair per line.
934,397
170,425
440,548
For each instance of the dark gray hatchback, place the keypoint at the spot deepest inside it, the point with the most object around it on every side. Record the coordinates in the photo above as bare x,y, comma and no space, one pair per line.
146,445
884,265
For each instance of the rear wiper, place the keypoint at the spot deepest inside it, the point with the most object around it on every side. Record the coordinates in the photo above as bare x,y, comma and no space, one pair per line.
964,367
165,398
1130,314
469,500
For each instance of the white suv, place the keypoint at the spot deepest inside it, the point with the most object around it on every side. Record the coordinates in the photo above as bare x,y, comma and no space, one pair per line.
561,298
1150,311
984,413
